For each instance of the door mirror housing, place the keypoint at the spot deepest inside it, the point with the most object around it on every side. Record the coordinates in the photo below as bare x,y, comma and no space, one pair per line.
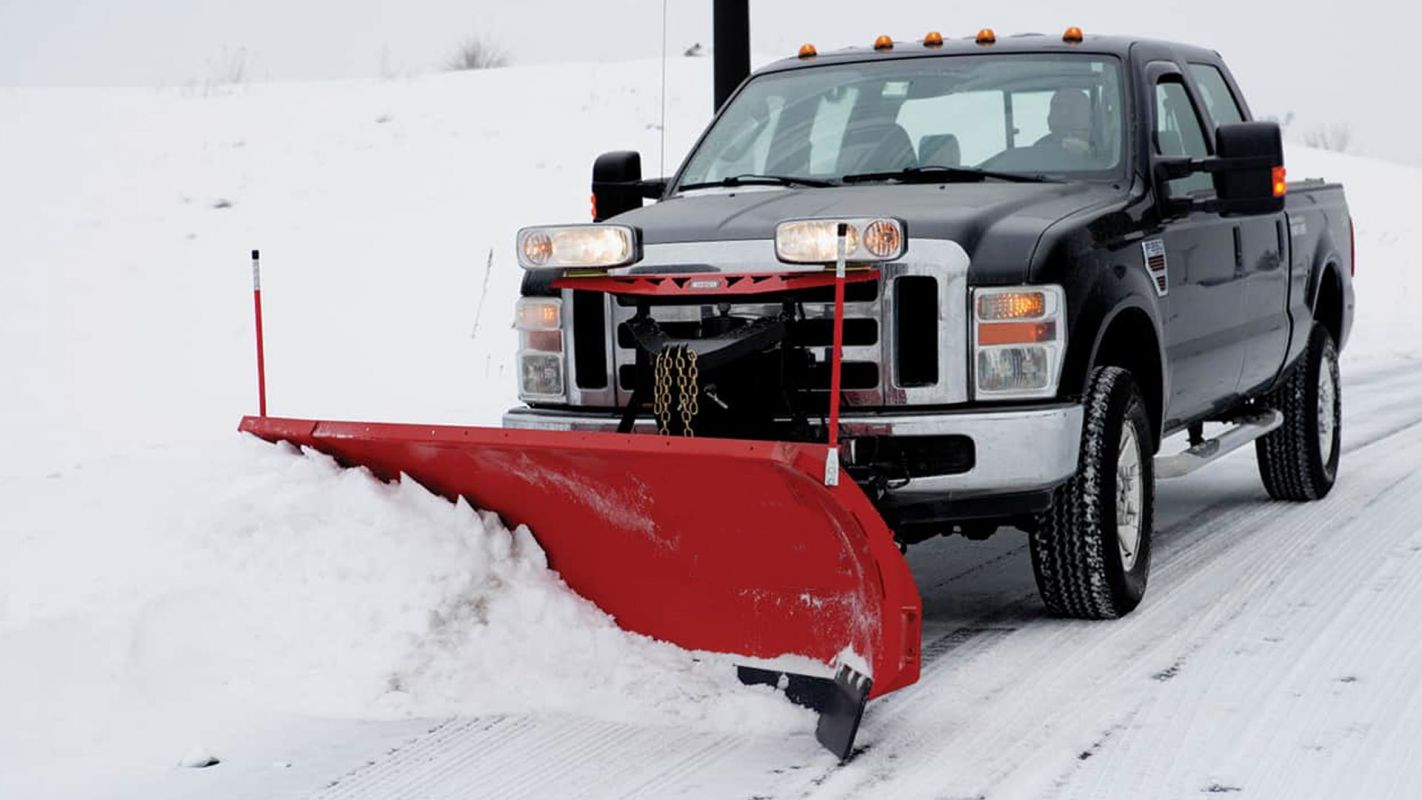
1252,180
1248,170
617,184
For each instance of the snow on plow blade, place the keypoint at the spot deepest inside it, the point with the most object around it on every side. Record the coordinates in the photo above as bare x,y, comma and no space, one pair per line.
712,544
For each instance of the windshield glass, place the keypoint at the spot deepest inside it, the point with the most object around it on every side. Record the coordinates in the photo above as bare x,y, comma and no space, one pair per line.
1055,115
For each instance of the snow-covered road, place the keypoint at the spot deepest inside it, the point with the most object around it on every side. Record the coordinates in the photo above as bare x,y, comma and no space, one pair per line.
1276,656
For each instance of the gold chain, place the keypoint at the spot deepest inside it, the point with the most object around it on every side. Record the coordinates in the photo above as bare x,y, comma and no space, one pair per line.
688,388
661,392
690,394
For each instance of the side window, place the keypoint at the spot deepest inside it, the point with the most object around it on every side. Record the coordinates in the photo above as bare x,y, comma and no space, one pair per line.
1179,132
1219,100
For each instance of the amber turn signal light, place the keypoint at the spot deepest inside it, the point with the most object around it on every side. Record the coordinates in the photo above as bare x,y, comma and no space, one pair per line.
1281,184
1012,305
991,333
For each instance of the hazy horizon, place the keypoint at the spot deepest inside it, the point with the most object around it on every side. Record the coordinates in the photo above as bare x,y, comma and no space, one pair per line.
1319,64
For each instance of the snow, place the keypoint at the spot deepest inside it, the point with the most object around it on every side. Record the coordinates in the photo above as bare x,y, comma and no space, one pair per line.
240,579
172,591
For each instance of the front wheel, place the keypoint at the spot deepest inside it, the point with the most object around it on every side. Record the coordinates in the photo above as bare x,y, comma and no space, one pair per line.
1091,548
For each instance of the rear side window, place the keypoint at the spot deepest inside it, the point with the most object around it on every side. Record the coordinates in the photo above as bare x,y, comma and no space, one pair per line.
1219,100
1179,132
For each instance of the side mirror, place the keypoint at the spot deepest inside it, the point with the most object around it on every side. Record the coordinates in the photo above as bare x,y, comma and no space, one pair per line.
617,184
1248,170
1252,178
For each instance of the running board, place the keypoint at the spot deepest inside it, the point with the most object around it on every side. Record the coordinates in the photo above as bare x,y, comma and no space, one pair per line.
1247,428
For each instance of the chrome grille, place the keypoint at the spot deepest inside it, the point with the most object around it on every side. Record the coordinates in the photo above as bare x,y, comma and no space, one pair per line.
942,260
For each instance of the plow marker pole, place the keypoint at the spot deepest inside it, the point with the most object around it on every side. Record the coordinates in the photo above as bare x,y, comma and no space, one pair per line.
832,454
257,310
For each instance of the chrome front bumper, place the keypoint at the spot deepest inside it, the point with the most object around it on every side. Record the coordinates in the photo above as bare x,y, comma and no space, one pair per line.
1016,449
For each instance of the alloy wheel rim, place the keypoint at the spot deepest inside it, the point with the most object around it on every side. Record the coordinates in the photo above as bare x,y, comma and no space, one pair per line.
1129,497
1327,408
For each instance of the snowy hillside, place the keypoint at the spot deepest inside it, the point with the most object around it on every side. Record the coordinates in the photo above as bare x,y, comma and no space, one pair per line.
167,586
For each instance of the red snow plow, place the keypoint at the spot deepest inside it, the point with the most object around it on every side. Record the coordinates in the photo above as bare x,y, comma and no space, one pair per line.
712,544
754,548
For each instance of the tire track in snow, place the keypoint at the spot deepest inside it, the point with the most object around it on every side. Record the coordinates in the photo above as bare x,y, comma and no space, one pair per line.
1311,648
511,756
1185,605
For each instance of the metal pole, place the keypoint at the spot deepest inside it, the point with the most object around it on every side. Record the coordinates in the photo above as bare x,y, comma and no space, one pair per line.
730,39
257,309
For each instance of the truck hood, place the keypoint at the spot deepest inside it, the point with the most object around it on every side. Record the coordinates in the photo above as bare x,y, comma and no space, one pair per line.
997,224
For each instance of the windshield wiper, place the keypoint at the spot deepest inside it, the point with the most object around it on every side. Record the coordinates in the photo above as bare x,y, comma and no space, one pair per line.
934,174
758,180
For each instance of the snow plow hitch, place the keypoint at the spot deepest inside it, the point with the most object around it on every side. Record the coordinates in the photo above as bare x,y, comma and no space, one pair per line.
720,545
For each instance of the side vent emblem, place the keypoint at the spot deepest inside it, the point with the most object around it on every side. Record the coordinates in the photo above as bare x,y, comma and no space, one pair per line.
1155,265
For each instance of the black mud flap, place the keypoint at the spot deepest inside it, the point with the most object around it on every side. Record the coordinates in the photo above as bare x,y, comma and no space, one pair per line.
840,702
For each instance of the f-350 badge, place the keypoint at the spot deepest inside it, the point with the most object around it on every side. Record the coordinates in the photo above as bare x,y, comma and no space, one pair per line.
1155,264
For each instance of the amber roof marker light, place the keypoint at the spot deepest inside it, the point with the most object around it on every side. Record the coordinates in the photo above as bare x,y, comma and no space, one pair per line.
933,39
1073,35
884,42
986,37
808,50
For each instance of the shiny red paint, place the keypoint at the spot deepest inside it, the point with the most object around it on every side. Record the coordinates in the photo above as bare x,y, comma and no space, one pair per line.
709,283
712,544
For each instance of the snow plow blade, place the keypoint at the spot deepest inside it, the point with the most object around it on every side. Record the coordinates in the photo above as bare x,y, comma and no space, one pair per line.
711,544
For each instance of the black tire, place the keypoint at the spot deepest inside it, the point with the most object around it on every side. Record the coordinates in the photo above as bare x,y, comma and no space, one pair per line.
1077,556
1293,460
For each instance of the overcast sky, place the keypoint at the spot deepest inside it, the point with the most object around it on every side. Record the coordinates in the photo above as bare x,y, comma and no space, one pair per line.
1329,63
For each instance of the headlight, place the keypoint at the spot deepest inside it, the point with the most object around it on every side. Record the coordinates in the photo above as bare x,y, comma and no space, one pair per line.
575,246
539,322
816,241
1019,337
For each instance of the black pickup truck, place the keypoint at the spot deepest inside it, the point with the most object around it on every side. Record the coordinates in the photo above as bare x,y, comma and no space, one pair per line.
1060,251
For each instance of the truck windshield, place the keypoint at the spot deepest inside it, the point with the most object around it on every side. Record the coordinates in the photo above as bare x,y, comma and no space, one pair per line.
1027,114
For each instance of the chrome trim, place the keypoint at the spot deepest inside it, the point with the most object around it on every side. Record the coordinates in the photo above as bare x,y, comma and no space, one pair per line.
946,261
1016,449
578,396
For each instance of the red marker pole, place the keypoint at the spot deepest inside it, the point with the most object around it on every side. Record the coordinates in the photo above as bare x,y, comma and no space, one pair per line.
836,356
257,309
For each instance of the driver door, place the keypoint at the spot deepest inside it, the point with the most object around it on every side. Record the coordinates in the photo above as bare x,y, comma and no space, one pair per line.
1192,259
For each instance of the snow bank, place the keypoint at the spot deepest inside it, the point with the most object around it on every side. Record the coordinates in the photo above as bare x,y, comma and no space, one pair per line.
1388,282
237,580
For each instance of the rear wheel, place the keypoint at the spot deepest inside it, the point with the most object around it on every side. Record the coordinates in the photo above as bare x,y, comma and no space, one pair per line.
1091,548
1299,459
